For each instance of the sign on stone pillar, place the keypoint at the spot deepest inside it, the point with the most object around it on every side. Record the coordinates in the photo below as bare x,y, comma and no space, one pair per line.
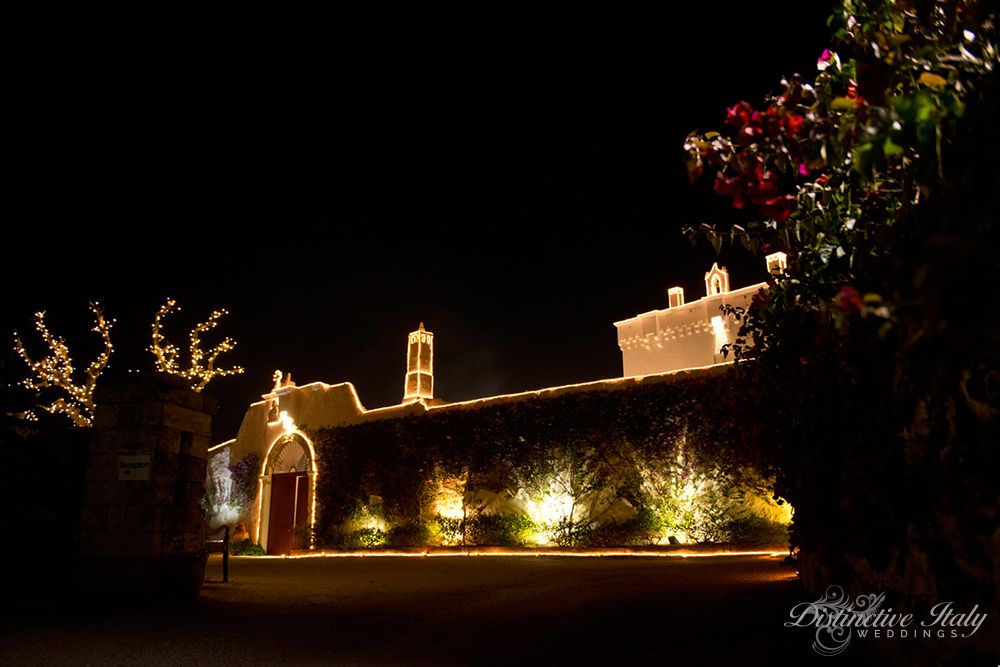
141,530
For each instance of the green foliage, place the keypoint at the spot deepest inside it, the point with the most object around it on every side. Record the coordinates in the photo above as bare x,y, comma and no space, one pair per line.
365,538
246,548
302,537
449,531
569,532
644,529
687,498
410,534
502,530
753,529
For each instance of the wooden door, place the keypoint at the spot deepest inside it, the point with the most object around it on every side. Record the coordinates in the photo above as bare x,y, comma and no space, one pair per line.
289,510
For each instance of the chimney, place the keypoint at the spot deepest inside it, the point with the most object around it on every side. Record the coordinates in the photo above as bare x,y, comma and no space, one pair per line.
675,297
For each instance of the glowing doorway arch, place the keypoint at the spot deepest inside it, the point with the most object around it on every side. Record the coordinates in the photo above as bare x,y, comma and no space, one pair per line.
290,449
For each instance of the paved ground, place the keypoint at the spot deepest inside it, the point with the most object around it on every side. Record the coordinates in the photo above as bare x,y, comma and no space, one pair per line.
447,611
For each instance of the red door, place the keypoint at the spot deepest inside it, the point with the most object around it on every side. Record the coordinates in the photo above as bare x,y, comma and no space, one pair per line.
289,510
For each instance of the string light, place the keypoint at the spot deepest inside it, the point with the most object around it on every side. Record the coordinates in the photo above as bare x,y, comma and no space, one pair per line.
56,371
202,368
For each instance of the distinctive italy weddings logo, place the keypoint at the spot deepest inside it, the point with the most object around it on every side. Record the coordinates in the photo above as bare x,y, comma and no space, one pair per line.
837,618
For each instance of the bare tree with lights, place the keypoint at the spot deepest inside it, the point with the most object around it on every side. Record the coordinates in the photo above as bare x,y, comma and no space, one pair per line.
201,368
56,372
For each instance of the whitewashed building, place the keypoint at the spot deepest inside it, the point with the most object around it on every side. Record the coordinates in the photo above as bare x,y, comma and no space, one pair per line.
687,334
275,429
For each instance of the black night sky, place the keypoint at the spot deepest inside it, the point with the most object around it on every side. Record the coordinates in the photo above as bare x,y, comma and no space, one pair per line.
511,176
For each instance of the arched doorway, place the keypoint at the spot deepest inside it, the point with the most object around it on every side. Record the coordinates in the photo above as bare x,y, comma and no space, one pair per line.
288,483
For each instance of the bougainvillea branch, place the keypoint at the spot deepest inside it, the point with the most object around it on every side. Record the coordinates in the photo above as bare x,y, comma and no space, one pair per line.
835,166
56,372
877,178
201,369
871,120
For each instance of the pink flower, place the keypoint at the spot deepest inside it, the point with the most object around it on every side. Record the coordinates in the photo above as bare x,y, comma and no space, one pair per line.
826,59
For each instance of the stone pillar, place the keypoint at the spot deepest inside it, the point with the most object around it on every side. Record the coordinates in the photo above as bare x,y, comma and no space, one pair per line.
141,526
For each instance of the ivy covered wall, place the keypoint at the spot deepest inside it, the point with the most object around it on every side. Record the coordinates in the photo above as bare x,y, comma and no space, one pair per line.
619,463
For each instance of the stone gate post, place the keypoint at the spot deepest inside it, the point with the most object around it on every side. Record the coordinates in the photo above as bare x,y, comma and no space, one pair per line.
141,527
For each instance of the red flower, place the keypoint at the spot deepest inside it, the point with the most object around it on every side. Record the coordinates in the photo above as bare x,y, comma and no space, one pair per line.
852,94
848,300
790,124
739,115
732,187
778,208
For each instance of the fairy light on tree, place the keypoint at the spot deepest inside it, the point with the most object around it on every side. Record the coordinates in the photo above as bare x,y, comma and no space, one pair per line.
201,369
56,372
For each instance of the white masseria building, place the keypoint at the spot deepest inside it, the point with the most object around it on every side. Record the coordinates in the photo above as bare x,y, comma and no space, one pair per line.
687,334
682,336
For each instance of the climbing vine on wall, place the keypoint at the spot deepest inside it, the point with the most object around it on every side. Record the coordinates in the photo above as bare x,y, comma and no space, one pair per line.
630,463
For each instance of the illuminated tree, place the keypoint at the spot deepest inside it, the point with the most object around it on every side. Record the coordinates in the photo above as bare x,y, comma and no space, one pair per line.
55,371
201,368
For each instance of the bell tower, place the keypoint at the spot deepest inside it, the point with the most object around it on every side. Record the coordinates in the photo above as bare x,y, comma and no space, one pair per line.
716,281
419,366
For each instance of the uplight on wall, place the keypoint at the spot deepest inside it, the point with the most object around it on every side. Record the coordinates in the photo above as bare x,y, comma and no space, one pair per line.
719,329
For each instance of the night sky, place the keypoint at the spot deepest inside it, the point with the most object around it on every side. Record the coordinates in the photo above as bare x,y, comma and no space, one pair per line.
513,177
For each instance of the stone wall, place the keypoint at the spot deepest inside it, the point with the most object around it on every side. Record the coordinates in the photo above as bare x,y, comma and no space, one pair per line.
141,525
